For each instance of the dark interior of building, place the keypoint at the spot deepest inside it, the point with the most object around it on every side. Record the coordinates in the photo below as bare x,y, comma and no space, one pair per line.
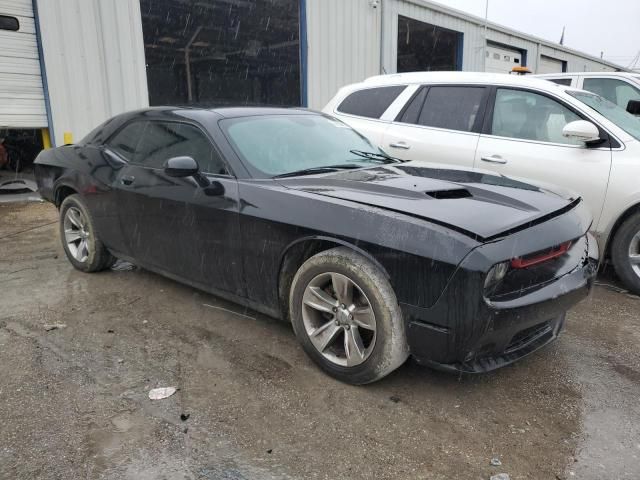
222,52
19,148
425,47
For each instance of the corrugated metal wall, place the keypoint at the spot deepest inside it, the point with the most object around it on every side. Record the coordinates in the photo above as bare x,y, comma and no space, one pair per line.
21,94
343,39
94,58
575,63
473,30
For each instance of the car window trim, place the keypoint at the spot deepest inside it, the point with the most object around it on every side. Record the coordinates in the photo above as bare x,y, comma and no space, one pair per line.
611,143
160,120
478,122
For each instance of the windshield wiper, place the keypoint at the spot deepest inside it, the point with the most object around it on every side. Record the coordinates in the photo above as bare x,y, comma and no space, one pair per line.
314,170
380,157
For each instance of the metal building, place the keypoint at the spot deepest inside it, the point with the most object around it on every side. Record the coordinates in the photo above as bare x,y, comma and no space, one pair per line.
67,65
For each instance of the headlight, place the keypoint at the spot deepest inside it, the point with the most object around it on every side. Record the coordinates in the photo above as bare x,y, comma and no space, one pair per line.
496,275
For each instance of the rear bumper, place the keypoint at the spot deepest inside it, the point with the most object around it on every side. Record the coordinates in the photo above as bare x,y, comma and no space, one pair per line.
478,336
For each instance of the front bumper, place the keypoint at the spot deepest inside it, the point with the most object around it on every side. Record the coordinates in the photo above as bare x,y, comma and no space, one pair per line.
464,332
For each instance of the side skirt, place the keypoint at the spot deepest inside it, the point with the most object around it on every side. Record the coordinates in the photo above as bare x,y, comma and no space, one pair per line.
245,302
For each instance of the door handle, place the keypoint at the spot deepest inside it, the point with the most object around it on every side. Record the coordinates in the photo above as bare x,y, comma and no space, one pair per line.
494,159
127,180
400,145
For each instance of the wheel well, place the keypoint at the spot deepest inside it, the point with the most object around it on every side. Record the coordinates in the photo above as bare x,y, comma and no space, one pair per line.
621,219
62,193
292,261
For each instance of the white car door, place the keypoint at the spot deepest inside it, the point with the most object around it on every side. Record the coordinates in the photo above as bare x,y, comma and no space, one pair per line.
439,124
524,139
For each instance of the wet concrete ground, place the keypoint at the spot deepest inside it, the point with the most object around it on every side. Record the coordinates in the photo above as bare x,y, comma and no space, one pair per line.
73,401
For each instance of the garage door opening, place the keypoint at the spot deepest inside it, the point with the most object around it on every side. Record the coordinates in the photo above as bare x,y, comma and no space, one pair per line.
425,47
222,52
502,59
551,65
18,149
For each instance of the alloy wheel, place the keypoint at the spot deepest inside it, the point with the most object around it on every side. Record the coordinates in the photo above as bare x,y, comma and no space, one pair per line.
76,234
634,253
339,319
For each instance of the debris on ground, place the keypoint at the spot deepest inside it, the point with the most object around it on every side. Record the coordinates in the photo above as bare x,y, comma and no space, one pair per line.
123,266
16,186
495,462
184,416
394,399
270,450
228,311
500,476
54,326
613,288
121,360
161,393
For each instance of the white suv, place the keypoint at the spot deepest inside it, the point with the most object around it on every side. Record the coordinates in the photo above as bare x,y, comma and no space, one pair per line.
517,126
621,88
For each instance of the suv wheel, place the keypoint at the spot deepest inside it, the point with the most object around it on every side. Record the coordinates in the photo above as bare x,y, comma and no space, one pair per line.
625,253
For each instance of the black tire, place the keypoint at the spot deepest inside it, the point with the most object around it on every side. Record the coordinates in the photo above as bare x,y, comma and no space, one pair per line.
622,242
98,257
389,349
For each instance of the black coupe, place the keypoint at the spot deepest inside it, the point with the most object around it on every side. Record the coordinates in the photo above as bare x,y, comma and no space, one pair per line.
296,215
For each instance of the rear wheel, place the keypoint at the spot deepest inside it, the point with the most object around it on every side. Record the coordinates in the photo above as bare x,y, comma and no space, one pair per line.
347,317
80,240
625,253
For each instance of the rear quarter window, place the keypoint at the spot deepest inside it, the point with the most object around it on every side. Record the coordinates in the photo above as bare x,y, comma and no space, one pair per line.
370,103
561,81
9,23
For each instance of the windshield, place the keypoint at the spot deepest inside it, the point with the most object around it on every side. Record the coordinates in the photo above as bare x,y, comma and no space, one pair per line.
274,145
611,112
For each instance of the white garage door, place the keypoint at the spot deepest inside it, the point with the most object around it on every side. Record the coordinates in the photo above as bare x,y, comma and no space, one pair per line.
21,95
502,60
549,65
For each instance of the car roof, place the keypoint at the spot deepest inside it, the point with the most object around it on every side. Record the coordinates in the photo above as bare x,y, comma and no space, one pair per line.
235,112
589,74
459,77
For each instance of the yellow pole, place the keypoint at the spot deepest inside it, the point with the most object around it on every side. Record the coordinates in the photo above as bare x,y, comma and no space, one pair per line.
46,139
68,138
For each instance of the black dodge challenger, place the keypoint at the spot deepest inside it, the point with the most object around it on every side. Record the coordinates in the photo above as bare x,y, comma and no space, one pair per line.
294,214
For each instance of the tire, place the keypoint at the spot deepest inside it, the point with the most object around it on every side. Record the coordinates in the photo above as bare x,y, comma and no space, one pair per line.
382,345
625,244
80,240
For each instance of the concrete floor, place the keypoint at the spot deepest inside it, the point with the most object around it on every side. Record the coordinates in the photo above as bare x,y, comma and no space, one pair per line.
73,401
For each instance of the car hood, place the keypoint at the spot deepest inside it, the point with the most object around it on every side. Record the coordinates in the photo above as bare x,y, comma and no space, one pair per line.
482,205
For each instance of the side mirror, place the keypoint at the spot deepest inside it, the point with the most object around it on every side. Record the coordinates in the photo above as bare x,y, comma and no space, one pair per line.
581,130
633,107
181,167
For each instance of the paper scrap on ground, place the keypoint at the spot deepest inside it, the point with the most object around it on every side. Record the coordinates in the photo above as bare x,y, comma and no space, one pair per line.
53,326
160,393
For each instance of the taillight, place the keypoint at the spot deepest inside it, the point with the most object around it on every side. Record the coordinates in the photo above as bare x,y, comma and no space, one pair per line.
538,258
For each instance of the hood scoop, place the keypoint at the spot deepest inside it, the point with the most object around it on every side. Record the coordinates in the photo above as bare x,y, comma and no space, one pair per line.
449,194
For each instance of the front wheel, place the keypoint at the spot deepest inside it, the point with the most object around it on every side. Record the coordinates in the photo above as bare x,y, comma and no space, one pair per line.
346,316
80,239
625,253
